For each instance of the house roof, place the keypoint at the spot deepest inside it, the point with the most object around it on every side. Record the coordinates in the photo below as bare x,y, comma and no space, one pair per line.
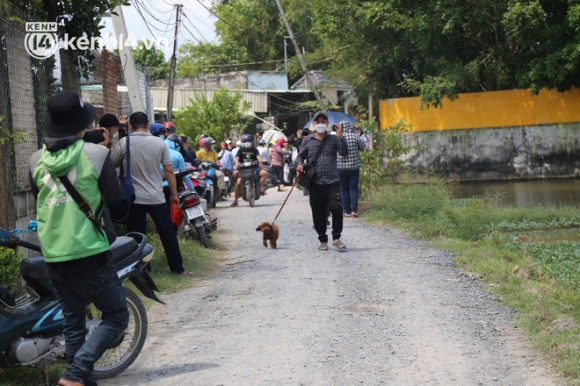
318,78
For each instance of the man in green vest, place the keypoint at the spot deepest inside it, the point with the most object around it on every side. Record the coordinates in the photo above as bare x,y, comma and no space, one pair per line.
76,252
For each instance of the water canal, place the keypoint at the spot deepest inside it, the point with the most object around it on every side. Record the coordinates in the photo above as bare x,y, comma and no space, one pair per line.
523,193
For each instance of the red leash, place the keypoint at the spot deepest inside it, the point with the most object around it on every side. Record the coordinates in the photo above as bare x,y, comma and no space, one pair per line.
290,192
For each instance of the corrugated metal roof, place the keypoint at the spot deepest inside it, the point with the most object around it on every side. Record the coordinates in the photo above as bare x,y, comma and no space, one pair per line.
181,97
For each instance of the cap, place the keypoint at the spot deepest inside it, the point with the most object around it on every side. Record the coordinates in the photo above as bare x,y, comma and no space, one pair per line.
110,120
156,128
318,114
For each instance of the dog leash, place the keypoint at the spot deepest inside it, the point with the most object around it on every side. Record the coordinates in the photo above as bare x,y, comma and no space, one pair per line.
288,196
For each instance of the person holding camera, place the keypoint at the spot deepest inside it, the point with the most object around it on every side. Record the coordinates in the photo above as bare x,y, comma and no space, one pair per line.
325,187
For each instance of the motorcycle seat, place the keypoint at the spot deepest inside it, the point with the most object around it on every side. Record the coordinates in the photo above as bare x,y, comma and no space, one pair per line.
33,270
123,247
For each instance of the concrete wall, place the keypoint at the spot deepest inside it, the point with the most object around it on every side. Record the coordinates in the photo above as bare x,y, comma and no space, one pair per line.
508,153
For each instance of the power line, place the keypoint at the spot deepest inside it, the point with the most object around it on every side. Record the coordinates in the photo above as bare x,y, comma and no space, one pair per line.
194,27
202,22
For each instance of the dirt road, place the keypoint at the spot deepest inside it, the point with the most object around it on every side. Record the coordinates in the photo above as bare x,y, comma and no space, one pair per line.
390,311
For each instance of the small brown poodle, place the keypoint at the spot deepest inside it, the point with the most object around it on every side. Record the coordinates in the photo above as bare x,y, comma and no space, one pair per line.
270,232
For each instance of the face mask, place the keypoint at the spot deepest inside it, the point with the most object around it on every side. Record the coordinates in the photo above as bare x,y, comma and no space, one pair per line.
321,128
212,147
162,136
116,135
247,145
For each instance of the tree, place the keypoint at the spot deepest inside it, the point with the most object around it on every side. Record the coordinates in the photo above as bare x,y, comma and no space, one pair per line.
219,118
76,19
151,58
443,47
193,59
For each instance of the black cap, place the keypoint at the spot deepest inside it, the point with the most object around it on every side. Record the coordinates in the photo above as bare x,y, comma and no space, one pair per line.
109,120
67,115
319,113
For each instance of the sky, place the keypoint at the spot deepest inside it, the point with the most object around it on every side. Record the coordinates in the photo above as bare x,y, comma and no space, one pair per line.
197,24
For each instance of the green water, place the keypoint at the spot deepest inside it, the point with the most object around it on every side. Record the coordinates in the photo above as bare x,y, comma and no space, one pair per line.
524,193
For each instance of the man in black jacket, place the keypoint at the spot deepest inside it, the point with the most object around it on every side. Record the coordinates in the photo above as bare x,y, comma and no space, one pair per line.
325,188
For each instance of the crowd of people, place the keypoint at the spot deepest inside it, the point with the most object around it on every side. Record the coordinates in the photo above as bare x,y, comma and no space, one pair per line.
78,256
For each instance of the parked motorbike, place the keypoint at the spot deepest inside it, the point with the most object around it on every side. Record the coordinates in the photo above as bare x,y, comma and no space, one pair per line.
193,222
230,183
201,186
31,325
209,168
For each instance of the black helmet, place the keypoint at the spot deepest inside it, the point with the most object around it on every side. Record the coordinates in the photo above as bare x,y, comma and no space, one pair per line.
176,138
247,138
204,136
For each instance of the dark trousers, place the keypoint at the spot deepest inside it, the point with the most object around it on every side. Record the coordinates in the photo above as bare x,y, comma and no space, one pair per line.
102,288
349,190
137,222
279,173
321,197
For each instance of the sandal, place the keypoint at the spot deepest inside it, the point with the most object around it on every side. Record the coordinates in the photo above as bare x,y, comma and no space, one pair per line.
323,247
354,214
347,215
262,193
339,245
234,204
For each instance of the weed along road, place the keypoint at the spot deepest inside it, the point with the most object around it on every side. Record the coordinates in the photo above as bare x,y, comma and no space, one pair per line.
390,311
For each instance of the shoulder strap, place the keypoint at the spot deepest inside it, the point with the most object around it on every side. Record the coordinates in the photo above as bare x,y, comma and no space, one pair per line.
128,152
83,206
313,162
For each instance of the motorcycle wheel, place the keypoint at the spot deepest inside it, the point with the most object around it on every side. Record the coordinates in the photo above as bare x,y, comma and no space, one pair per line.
127,348
250,194
202,236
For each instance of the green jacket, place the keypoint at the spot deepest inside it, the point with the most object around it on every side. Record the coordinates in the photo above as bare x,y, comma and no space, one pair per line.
65,233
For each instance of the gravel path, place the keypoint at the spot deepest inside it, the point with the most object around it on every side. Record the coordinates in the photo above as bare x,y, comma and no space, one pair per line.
390,311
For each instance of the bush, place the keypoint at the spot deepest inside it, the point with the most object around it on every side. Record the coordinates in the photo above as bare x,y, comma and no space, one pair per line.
9,266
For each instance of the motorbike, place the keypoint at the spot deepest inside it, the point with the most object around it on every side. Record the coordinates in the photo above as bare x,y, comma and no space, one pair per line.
193,221
209,168
31,324
230,183
250,182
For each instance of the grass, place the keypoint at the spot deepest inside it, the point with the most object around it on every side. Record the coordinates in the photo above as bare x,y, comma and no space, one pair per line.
196,259
540,281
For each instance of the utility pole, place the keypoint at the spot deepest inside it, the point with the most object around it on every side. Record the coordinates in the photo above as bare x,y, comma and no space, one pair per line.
127,61
300,59
285,55
173,63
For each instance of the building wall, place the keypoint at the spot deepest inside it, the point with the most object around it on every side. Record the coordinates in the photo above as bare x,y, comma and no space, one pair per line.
485,110
543,151
494,135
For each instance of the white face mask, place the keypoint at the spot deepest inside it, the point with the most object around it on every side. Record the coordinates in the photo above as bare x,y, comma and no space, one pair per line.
247,145
116,135
321,128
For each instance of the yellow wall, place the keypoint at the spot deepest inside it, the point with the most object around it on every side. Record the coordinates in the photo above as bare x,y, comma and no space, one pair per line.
484,110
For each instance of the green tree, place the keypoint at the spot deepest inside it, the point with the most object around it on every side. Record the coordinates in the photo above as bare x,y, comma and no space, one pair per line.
152,58
74,18
193,59
443,47
219,118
